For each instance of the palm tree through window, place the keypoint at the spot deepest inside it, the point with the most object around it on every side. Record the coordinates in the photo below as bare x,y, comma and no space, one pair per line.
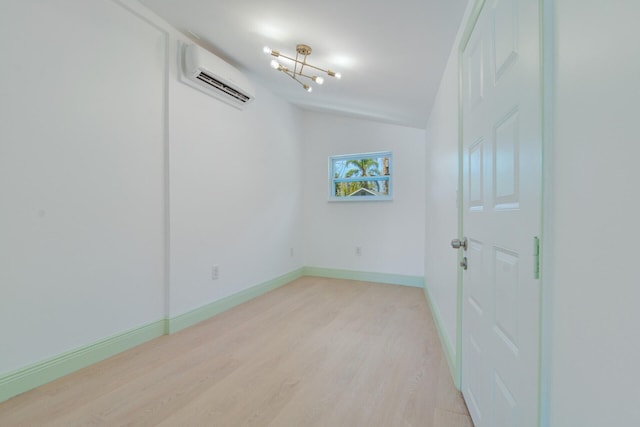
363,176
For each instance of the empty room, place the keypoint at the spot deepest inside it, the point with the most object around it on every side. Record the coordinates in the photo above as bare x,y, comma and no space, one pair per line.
356,213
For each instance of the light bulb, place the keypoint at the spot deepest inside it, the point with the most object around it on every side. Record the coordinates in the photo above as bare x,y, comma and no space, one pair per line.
275,64
318,80
338,76
308,88
267,50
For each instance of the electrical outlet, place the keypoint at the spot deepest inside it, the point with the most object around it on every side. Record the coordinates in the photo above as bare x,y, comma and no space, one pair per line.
214,272
358,250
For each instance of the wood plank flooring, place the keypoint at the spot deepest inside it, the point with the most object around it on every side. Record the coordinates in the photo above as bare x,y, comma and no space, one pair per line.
315,352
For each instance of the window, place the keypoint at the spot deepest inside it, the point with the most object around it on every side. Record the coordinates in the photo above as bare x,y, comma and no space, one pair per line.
358,177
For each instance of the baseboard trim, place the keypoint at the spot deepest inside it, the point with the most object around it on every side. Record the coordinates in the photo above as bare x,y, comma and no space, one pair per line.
25,379
190,318
392,279
40,373
449,352
48,370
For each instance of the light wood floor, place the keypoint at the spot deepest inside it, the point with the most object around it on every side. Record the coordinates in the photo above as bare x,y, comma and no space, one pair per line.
316,352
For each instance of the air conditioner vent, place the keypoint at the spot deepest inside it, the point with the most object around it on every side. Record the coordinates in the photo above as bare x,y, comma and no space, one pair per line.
204,71
217,84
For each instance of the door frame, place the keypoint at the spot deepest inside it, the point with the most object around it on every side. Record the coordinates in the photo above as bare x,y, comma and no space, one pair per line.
546,126
464,40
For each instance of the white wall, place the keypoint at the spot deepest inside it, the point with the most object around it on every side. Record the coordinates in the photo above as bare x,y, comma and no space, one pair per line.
235,199
594,285
81,176
390,233
441,221
83,140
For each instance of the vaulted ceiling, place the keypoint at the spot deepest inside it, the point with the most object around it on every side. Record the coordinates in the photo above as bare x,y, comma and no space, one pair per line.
391,54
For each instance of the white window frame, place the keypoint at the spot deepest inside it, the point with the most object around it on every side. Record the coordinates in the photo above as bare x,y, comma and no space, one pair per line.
333,180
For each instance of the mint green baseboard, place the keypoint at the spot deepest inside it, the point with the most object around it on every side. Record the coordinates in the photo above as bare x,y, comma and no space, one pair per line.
449,352
43,372
394,279
190,318
40,373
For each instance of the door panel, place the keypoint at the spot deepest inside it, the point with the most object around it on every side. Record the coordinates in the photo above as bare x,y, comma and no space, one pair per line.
505,36
506,154
501,134
476,190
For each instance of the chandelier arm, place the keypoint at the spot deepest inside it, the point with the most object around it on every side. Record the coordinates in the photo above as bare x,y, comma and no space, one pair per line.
294,60
293,75
305,63
280,55
305,75
301,84
317,68
295,65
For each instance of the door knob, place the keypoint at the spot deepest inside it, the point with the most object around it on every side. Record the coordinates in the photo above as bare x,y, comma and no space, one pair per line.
457,244
463,263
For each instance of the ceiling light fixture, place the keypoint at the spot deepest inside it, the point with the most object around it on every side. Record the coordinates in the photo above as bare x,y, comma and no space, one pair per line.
299,64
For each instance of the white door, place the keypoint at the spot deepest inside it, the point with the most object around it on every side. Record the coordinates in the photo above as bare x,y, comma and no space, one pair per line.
501,134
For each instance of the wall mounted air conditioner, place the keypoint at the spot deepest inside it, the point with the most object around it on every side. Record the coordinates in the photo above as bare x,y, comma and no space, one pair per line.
209,74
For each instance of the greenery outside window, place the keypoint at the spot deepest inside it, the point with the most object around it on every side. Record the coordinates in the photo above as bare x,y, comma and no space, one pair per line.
360,177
